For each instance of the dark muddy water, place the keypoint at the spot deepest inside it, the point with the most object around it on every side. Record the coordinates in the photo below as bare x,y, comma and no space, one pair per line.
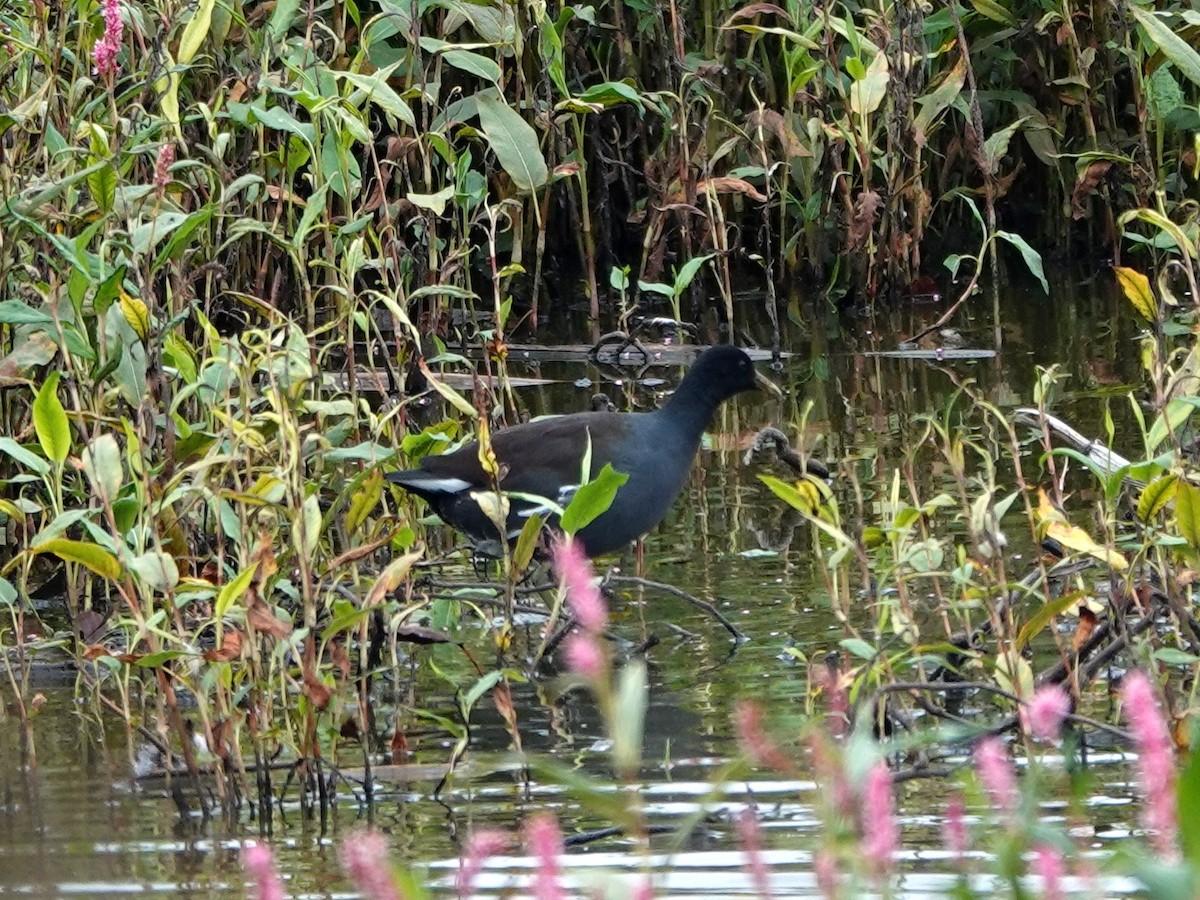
74,822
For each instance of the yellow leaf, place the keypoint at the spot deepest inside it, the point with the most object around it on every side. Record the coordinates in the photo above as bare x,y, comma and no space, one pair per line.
1052,524
137,314
1137,290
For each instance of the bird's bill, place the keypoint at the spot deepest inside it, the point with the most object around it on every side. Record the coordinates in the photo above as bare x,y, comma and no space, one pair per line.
766,384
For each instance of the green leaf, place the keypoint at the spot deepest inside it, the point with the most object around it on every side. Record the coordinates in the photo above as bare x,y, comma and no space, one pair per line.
513,140
474,63
1156,495
994,11
478,689
1173,656
91,556
282,17
376,89
103,466
16,312
526,543
1045,615
232,590
867,92
1174,48
1187,512
436,203
50,421
1188,800
26,458
156,570
195,32
858,647
592,499
1033,259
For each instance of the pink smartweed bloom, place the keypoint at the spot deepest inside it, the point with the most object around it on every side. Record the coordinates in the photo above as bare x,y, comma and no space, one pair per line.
753,738
644,890
544,842
260,864
954,828
584,656
105,50
364,857
587,605
162,165
1156,763
1043,716
1049,866
881,834
996,772
481,846
747,826
825,868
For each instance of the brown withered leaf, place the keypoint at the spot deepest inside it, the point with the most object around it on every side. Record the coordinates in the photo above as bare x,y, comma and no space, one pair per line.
262,618
264,558
316,691
357,553
230,649
727,185
863,220
1087,182
1087,625
95,651
399,744
34,350
89,625
340,657
564,170
756,9
419,634
773,123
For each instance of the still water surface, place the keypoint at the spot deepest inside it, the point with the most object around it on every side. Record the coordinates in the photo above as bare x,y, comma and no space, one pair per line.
77,824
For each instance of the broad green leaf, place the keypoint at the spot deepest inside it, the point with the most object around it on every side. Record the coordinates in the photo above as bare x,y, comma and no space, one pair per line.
154,660
50,421
858,647
436,203
513,140
26,458
478,689
526,543
1187,512
457,400
867,92
233,590
1188,800
1173,656
994,11
310,513
592,499
195,31
939,100
17,312
475,63
376,89
282,17
1136,287
1169,421
1163,224
103,466
89,555
365,499
1155,496
1033,259
687,273
156,570
1174,48
1046,615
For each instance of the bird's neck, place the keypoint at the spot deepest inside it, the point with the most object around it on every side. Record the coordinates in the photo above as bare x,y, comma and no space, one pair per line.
691,409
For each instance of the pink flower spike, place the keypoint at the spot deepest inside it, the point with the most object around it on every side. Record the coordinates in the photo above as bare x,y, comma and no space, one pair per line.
644,890
748,830
1042,717
260,864
104,53
481,846
954,828
544,842
364,857
825,868
162,165
881,834
1155,764
1048,865
753,738
587,605
584,656
996,772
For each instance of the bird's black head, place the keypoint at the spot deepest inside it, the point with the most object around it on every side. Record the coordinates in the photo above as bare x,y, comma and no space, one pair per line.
724,370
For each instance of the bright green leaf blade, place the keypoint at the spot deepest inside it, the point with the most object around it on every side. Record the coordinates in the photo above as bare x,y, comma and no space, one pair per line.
89,555
1174,48
1187,512
50,421
1033,259
513,140
592,499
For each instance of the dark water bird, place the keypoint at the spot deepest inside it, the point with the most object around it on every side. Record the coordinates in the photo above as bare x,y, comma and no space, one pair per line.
544,459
